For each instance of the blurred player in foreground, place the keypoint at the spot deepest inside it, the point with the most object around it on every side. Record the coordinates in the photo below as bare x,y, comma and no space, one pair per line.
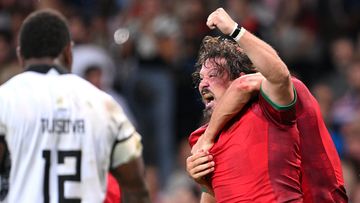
63,134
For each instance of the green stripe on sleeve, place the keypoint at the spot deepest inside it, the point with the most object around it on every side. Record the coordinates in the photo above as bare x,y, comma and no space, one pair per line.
277,106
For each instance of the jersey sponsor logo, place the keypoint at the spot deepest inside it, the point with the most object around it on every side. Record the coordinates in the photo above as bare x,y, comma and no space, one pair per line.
62,126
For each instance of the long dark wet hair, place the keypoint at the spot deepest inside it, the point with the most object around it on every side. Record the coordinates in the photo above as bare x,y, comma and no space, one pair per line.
222,48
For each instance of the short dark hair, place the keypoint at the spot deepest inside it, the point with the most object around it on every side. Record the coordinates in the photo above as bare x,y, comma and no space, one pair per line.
219,47
44,33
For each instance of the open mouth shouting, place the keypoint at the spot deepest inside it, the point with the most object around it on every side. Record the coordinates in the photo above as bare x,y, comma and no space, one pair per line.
208,98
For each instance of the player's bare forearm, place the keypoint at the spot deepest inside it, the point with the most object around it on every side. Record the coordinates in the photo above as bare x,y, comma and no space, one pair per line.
230,104
233,100
131,180
278,84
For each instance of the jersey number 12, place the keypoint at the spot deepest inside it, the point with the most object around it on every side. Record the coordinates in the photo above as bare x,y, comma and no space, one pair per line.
62,178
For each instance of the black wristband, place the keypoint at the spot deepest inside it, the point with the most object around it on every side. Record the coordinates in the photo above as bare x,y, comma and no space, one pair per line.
235,33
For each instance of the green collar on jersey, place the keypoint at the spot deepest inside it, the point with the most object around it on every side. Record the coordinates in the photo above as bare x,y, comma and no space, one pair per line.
45,68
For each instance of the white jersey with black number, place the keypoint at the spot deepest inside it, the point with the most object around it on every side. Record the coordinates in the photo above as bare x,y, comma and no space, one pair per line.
60,131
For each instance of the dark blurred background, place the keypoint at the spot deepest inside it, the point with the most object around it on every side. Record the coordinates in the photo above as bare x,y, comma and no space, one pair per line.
142,52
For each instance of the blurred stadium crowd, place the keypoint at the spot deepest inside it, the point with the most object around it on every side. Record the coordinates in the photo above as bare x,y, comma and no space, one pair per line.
143,52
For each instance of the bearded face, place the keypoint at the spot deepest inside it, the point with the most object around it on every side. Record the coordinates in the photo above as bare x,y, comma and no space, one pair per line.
214,81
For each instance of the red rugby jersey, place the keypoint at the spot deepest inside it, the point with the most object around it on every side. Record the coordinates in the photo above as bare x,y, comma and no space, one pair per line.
322,179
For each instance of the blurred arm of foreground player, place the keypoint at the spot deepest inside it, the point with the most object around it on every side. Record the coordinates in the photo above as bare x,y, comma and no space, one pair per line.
131,178
127,165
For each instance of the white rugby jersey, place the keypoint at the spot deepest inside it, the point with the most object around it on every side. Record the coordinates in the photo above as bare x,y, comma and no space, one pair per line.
60,132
